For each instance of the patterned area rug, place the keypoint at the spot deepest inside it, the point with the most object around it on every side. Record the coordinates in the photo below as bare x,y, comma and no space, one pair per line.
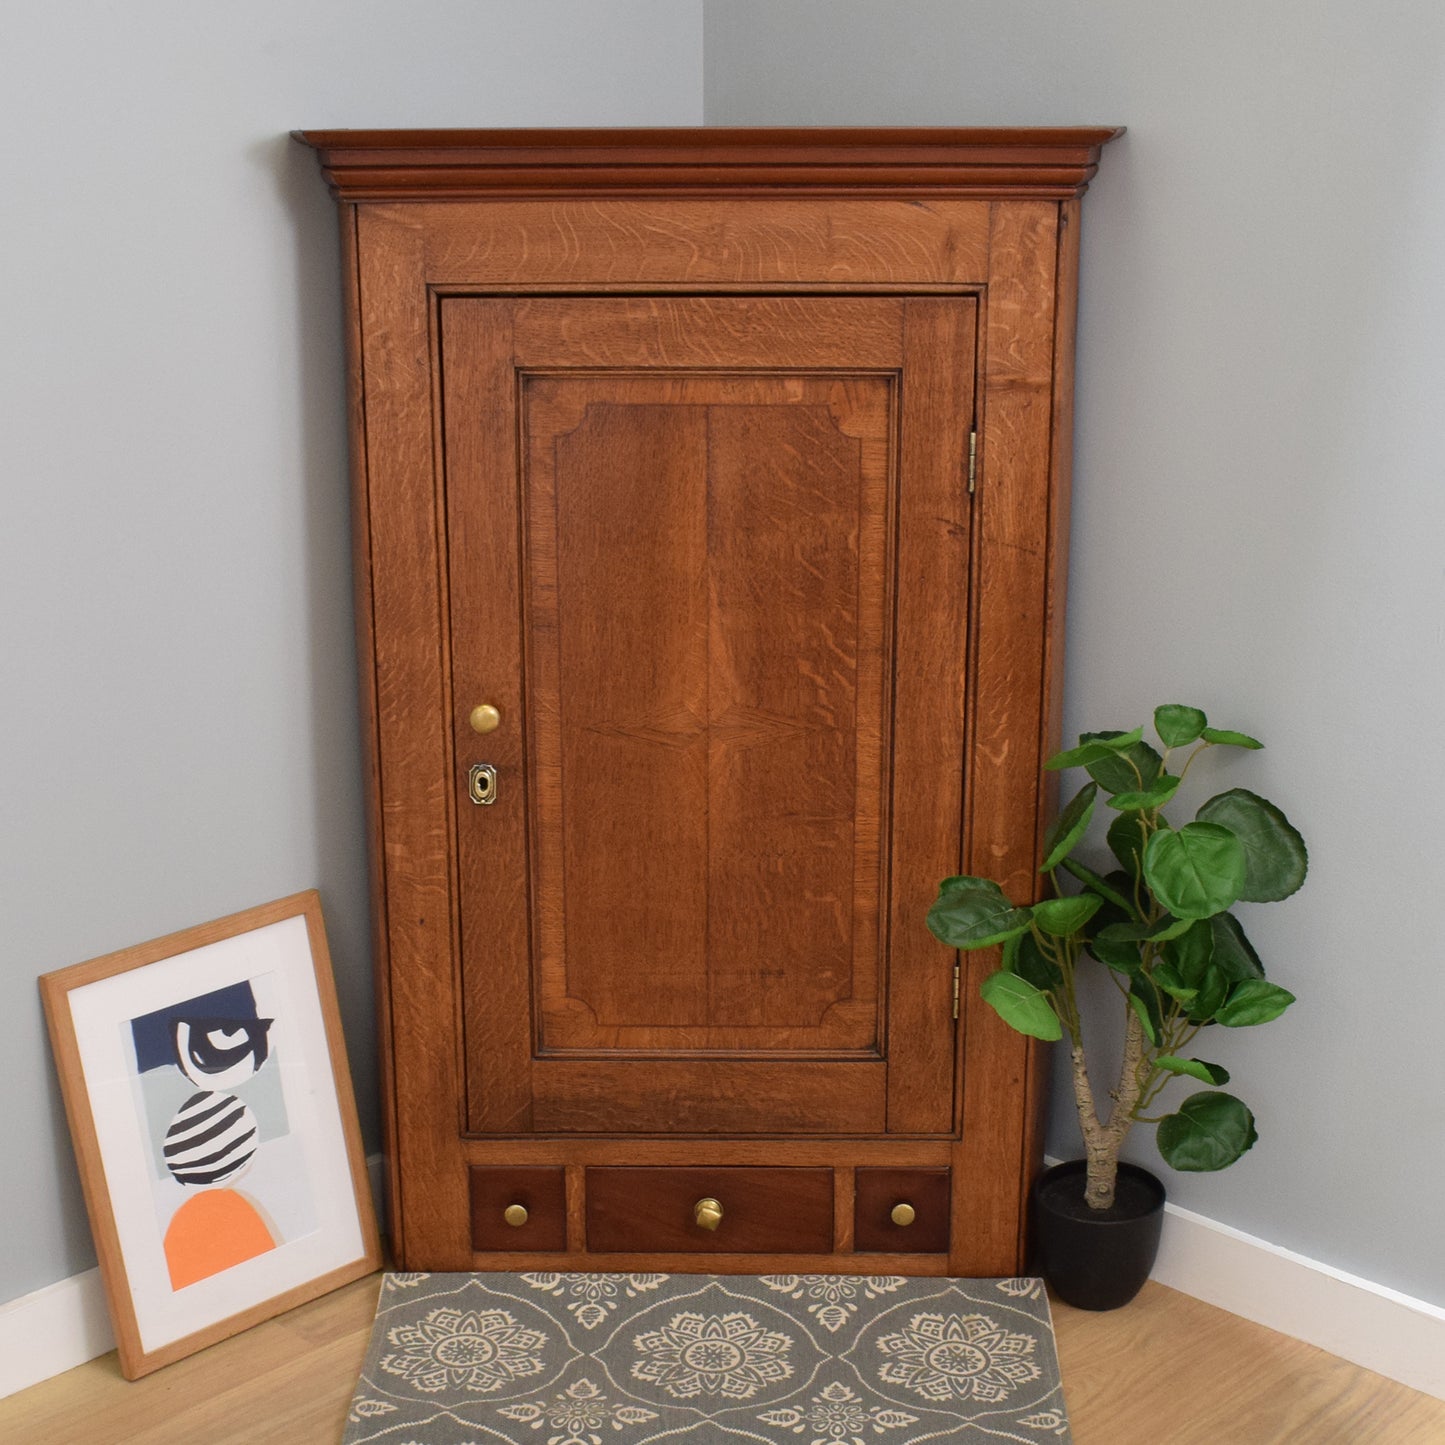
584,1359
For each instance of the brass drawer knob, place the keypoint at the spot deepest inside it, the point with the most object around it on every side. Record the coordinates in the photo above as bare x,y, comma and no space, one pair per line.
902,1214
515,1215
484,718
708,1213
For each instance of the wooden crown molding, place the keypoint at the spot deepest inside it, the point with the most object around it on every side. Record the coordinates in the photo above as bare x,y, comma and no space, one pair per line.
412,165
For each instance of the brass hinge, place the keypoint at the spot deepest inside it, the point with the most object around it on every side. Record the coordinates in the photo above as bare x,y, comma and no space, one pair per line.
972,468
955,987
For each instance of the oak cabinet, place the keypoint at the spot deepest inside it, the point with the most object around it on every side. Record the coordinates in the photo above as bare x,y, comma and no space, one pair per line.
711,507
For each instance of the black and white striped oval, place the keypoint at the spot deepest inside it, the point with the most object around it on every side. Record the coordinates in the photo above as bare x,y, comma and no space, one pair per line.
211,1139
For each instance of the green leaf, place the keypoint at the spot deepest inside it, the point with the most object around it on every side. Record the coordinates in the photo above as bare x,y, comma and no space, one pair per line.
1122,955
1119,954
1163,789
1177,724
1092,751
1032,964
1254,1001
1021,1006
1191,956
1126,842
1069,827
1195,1068
1131,932
1144,1000
1234,955
1189,953
1196,871
1222,737
1213,990
974,917
1063,916
1210,1131
1275,857
1166,977
1106,890
1136,767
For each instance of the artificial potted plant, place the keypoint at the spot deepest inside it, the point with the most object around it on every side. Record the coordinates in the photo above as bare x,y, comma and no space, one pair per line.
1160,924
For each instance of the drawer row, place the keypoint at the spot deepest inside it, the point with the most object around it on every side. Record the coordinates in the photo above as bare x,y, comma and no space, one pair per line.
706,1210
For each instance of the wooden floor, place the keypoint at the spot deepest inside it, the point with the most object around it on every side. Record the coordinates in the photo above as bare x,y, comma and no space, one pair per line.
1166,1370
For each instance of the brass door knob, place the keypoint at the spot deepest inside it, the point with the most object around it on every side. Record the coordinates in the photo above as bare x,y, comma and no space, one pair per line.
708,1213
515,1215
902,1214
484,718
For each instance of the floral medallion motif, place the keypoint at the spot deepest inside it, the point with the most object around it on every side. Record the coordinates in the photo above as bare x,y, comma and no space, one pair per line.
834,1296
479,1350
714,1355
405,1281
579,1415
837,1417
594,1296
958,1357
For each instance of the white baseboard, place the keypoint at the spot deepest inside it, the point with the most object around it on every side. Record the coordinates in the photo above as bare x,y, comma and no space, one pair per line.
1356,1319
1366,1323
53,1330
67,1323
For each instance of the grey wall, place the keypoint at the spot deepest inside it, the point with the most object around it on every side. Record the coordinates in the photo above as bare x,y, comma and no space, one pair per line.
1259,511
178,725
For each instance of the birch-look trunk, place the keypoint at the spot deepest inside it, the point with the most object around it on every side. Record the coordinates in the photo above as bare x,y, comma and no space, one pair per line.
1102,1141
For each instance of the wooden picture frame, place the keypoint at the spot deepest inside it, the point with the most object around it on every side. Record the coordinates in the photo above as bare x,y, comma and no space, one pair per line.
191,1065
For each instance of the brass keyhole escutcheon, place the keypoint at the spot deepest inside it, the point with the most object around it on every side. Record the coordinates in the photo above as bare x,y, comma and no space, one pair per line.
515,1215
484,718
903,1214
482,783
708,1213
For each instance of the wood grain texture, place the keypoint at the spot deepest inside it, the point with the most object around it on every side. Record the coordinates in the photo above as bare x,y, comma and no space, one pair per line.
705,702
372,165
540,1189
414,756
365,621
930,691
658,331
878,1191
1011,582
755,245
764,1211
1137,1376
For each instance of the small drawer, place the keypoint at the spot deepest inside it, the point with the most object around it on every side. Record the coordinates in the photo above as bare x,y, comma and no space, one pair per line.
878,1192
663,1211
519,1207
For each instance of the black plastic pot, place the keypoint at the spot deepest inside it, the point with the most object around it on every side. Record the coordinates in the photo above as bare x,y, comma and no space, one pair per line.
1096,1259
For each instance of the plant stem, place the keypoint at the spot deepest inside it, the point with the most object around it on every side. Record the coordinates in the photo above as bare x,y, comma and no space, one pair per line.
1102,1141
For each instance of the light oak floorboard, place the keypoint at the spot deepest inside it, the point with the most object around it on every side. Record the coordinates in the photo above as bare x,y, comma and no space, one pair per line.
1171,1370
1167,1370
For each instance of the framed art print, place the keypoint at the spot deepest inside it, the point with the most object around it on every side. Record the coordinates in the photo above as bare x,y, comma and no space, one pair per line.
211,1108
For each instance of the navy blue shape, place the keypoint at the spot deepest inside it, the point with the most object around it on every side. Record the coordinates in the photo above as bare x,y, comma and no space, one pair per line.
155,1034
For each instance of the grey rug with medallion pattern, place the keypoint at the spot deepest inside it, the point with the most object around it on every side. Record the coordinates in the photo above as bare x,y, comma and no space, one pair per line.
632,1359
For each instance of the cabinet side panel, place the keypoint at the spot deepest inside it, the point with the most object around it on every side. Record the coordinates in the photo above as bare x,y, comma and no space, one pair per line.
1012,515
361,568
411,742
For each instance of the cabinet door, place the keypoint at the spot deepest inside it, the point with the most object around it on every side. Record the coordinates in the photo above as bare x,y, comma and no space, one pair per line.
708,557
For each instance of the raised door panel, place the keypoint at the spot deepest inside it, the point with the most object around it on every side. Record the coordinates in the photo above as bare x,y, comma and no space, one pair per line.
674,534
